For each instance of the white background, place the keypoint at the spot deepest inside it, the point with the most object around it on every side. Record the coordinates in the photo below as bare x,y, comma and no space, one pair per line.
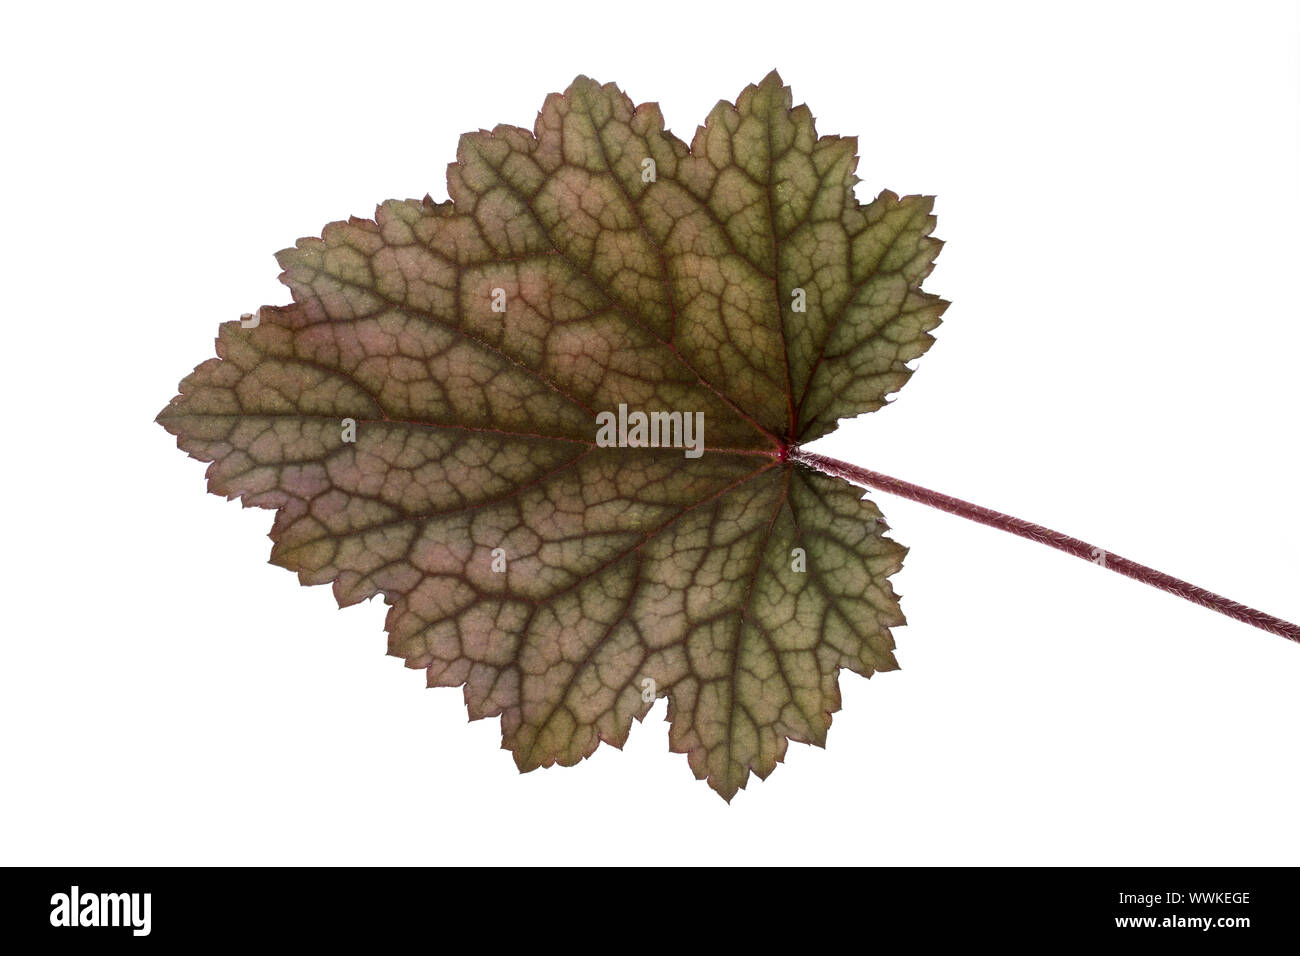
1117,186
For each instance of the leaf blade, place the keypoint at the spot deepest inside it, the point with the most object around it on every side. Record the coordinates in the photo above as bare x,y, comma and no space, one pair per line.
474,430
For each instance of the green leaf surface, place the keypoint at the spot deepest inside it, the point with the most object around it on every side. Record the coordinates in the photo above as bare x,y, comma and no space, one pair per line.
595,262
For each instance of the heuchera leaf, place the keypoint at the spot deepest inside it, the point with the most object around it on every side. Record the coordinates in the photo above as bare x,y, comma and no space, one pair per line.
423,419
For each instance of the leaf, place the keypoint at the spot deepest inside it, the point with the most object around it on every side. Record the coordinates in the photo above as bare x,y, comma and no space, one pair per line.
633,270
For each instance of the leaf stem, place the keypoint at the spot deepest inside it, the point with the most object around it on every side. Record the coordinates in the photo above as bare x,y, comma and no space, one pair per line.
1053,539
